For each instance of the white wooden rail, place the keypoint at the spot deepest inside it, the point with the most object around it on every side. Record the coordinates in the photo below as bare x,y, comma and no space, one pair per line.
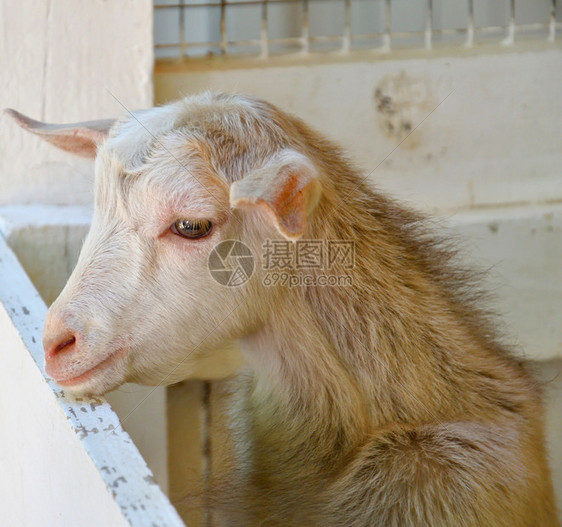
65,460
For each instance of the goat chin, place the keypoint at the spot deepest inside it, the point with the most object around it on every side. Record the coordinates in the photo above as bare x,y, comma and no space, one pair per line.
94,383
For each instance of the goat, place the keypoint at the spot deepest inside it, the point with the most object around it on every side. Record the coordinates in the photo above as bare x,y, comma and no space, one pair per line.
385,402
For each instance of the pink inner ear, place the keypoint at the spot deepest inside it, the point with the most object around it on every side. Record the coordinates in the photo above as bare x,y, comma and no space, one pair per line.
80,144
286,189
78,138
288,201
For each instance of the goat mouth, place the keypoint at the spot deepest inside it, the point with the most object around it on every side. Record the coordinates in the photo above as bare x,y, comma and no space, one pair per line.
88,374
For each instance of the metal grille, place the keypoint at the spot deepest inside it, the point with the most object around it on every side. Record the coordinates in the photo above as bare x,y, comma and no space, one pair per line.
262,27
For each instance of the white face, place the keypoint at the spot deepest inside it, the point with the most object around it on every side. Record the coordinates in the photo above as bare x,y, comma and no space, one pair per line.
141,304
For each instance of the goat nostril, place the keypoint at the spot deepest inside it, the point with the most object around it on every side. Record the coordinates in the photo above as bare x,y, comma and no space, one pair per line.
64,344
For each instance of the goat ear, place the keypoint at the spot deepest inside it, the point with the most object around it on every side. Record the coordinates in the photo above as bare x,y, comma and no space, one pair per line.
286,189
80,139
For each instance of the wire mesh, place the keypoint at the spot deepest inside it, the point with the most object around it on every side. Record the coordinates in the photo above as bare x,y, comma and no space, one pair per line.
186,28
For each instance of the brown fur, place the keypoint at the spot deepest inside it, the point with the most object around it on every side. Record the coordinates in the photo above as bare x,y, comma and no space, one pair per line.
391,403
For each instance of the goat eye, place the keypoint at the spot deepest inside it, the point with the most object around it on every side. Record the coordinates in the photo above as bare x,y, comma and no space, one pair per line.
192,228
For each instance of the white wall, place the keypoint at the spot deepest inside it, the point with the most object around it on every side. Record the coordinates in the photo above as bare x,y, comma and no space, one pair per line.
495,140
61,61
